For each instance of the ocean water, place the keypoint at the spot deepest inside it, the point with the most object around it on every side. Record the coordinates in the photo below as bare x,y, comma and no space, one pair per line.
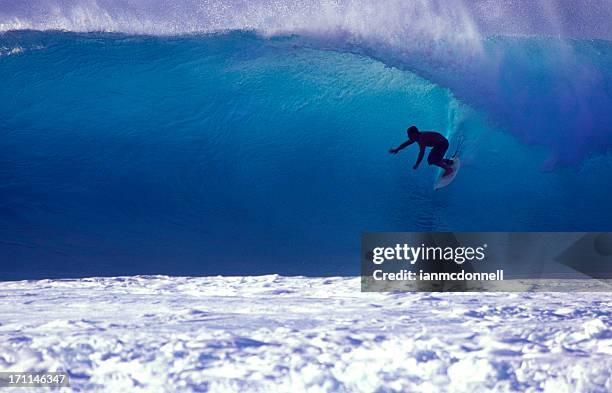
251,137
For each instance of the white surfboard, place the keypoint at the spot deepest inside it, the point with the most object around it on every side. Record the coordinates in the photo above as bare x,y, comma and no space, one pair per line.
444,181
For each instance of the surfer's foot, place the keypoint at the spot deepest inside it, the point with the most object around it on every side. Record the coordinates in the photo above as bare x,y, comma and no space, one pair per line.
447,172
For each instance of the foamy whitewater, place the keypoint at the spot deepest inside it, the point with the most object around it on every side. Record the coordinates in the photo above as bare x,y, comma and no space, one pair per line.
272,333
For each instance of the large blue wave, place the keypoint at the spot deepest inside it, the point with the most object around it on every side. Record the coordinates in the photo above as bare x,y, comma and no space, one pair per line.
232,152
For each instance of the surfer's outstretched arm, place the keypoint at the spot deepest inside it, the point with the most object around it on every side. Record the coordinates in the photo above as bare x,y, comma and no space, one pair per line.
402,146
421,154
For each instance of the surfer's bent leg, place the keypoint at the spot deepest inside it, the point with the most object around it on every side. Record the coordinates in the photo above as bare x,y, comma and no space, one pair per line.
437,153
436,157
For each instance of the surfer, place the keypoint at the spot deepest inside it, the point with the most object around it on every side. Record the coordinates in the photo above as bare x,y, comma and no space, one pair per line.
436,141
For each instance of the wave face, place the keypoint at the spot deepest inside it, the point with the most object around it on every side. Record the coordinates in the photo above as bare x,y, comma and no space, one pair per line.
247,152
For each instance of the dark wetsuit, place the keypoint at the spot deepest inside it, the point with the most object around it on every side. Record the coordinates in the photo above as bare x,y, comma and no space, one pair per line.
437,142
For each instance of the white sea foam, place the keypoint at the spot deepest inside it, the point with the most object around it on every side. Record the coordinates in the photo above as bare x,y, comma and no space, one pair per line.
273,333
8,51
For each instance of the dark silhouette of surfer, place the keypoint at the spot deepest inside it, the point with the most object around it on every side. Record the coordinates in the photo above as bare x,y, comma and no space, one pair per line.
435,140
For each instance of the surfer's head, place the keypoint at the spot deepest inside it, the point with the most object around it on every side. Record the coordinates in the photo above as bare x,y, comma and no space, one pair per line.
413,133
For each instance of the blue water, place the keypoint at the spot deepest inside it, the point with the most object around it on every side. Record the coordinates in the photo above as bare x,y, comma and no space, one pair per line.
236,153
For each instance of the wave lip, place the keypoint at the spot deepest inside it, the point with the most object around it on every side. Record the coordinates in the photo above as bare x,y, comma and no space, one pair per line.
396,23
392,21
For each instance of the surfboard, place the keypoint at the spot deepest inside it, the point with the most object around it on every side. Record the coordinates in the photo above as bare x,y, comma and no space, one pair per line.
443,181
